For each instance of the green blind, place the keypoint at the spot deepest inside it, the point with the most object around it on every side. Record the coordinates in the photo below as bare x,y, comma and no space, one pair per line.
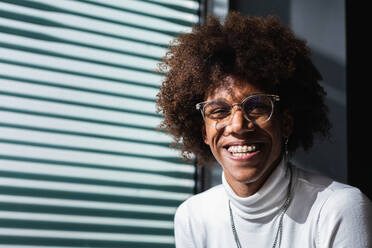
81,161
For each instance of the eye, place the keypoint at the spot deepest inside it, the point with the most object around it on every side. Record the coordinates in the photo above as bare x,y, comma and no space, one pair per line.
258,107
259,112
217,110
218,113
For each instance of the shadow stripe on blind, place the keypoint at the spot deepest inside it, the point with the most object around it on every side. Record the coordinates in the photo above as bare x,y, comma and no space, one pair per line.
7,61
89,207
47,99
12,219
153,15
92,135
92,150
66,242
96,227
79,58
175,5
60,194
75,211
69,117
65,179
52,38
81,89
28,160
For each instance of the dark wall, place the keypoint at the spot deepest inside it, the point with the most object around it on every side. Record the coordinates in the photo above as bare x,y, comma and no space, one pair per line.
322,24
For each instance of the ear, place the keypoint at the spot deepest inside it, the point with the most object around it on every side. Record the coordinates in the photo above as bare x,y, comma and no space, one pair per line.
287,123
204,133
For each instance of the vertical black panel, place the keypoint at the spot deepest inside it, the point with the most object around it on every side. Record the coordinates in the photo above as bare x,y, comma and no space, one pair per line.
358,99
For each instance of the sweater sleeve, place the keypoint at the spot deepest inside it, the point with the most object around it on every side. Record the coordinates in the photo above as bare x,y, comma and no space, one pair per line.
182,228
345,220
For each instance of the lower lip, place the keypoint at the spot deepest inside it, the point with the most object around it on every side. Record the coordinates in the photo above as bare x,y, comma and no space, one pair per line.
249,156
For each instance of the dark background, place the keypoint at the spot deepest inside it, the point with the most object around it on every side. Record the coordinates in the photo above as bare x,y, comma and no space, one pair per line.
359,96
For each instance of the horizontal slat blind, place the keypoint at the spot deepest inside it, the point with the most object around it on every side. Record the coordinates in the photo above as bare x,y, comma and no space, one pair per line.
81,161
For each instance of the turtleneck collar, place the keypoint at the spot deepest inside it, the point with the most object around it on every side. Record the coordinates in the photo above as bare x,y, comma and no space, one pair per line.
267,200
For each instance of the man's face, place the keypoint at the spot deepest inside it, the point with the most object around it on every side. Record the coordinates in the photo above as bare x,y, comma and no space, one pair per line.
246,151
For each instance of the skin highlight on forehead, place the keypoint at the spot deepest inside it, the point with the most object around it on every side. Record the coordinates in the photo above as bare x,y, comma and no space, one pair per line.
225,89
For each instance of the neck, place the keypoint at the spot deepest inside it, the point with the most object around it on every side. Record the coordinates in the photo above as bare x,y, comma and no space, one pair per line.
267,200
245,189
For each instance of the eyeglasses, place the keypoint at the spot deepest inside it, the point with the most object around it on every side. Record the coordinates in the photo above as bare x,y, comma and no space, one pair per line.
256,108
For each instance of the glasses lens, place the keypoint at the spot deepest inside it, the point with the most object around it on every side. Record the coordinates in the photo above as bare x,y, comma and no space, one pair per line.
217,110
258,108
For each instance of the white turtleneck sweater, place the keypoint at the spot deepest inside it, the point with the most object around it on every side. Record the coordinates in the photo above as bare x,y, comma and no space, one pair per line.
322,214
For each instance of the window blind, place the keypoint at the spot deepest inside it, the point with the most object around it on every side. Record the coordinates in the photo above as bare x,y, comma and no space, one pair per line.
81,161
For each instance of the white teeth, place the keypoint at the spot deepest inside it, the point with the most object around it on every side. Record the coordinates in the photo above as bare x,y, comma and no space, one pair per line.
240,150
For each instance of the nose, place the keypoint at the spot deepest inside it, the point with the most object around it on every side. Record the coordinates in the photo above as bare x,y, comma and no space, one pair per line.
238,123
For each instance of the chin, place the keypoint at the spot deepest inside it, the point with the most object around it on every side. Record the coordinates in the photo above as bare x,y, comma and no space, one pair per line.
245,175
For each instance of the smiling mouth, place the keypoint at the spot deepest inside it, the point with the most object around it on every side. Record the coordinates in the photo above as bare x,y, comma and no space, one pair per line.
243,151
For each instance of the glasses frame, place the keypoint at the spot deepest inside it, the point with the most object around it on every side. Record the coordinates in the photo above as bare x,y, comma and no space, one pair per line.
273,98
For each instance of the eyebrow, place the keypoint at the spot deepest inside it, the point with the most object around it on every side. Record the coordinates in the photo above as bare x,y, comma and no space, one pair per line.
222,100
225,100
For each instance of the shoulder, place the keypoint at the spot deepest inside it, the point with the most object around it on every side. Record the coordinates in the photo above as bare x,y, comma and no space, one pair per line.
199,204
322,185
195,214
344,202
342,213
312,179
195,218
345,219
329,191
325,184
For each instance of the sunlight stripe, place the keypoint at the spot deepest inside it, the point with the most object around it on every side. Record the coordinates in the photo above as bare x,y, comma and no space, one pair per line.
15,215
94,174
81,127
90,158
85,204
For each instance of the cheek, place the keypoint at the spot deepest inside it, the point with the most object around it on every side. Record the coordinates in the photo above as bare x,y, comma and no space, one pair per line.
274,133
276,138
207,135
211,137
204,133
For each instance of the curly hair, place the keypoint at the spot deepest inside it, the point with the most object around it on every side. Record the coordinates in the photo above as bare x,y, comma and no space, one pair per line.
257,49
